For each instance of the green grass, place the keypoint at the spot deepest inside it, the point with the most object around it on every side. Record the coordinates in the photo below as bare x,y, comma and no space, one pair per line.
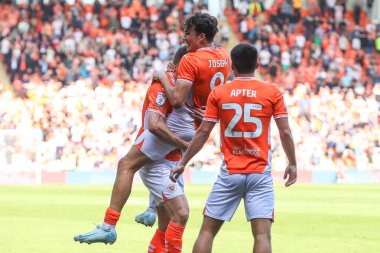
309,218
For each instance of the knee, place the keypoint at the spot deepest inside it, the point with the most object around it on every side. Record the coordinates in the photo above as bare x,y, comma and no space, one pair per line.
207,235
124,165
264,238
182,215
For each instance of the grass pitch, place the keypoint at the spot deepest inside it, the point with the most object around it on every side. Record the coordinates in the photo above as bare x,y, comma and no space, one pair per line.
308,218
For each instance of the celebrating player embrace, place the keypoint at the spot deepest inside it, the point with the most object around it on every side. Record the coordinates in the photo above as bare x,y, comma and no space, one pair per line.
200,70
244,108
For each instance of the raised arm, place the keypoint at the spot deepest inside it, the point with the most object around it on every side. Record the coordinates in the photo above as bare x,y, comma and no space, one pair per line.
176,94
157,125
288,146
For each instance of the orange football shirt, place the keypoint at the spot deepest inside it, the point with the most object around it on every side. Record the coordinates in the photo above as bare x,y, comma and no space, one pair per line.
156,101
244,108
205,69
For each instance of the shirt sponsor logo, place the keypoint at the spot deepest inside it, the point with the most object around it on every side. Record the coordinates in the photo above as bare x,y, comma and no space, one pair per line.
236,150
160,99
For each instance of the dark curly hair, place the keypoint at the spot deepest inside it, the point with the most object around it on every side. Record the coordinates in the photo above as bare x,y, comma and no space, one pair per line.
202,23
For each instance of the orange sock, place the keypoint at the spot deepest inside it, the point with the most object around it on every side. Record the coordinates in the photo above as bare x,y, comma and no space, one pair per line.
157,244
111,217
173,238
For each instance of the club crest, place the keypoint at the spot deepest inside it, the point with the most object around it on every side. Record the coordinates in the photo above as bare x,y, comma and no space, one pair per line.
171,187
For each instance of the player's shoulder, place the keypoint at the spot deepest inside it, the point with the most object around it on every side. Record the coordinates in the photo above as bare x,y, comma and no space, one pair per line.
190,56
268,86
224,51
155,87
213,52
274,88
269,90
189,59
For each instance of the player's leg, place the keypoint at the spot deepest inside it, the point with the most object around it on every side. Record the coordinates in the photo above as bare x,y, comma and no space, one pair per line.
153,176
261,233
152,207
127,167
148,217
179,210
259,206
146,149
157,244
210,228
176,205
221,205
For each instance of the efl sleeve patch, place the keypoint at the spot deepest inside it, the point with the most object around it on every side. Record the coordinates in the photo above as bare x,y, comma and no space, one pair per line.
160,99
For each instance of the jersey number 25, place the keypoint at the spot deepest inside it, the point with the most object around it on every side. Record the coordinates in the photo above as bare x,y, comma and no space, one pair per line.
247,119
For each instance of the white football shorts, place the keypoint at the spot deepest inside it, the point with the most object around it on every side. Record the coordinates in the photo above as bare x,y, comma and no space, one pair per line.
155,148
155,177
228,190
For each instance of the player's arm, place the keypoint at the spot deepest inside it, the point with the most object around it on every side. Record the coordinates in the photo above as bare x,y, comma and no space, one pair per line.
157,126
288,146
211,117
195,146
177,95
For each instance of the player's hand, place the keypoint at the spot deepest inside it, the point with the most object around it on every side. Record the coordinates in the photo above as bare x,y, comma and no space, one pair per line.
198,113
290,174
176,172
186,144
158,76
171,67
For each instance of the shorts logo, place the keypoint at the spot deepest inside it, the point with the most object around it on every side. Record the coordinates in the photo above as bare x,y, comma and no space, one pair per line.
161,98
172,187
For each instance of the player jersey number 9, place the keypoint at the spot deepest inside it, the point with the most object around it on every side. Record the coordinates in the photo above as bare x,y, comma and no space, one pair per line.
214,78
247,118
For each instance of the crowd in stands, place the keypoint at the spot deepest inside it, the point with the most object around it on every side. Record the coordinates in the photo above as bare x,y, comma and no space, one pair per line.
326,57
80,72
68,40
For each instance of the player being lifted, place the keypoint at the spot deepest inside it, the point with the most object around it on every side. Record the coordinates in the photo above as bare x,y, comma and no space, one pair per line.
199,72
148,217
155,110
244,108
156,175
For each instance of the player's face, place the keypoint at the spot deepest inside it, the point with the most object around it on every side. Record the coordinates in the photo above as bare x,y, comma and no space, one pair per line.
192,39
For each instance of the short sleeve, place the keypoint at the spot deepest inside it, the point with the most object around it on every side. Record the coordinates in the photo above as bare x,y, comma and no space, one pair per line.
158,101
187,69
212,113
279,110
